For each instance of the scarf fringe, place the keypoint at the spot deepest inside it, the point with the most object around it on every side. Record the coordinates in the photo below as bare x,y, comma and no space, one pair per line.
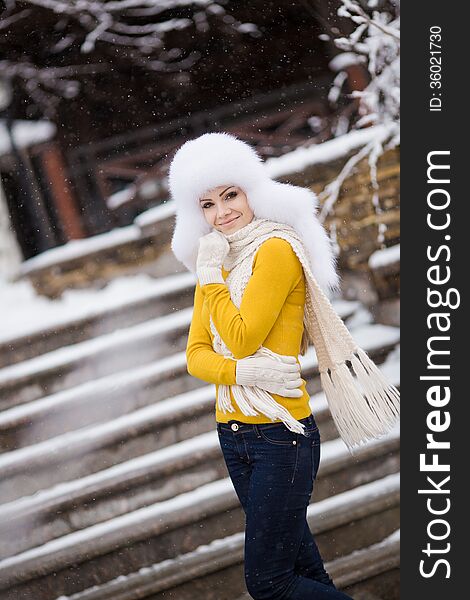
223,400
243,402
363,406
360,414
383,397
251,399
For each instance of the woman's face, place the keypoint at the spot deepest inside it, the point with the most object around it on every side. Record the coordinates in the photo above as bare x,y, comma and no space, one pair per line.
226,208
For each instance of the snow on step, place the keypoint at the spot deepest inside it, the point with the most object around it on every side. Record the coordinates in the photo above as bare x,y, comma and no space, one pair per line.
327,509
204,559
98,388
176,512
373,337
30,314
109,478
87,349
212,557
373,560
79,248
61,357
131,527
96,436
108,383
333,453
384,257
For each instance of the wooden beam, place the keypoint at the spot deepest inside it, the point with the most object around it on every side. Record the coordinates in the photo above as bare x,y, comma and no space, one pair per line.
54,168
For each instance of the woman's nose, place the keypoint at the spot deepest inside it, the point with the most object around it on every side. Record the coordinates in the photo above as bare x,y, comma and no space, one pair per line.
223,210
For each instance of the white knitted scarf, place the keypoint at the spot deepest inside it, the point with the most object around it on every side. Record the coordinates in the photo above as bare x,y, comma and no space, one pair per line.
363,407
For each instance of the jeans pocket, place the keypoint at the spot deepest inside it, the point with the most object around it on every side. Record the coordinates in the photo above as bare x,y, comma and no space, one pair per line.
311,431
278,435
314,435
310,426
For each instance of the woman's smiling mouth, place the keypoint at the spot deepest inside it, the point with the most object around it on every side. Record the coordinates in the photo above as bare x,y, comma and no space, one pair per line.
231,221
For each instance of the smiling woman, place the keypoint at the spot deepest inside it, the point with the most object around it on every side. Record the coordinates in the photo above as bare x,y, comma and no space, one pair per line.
257,248
226,208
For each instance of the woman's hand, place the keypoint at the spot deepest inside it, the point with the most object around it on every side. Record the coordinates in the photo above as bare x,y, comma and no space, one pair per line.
213,248
277,374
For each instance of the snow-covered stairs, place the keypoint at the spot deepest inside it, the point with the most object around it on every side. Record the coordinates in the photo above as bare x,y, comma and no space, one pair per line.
160,476
165,530
101,398
111,466
367,574
91,448
116,310
104,354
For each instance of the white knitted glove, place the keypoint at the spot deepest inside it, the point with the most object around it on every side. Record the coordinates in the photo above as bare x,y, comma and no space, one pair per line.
213,248
279,376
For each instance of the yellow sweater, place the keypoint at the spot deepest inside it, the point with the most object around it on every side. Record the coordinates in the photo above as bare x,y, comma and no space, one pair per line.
270,314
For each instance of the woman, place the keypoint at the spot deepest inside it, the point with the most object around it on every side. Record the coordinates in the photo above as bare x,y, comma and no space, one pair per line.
260,254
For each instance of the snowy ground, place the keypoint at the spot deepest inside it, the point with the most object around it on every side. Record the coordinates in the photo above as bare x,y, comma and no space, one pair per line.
23,311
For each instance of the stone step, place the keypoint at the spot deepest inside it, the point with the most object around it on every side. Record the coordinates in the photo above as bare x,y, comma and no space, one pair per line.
371,573
94,402
368,574
117,394
155,298
87,262
96,447
150,300
215,572
106,354
348,521
161,475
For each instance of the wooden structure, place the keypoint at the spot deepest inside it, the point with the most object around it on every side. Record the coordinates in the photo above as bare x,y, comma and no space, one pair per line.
38,192
358,225
354,219
108,160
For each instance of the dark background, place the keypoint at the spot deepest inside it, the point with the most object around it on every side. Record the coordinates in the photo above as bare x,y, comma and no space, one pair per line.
422,132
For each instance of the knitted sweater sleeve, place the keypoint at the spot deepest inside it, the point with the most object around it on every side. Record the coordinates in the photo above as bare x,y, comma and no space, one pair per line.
201,359
276,272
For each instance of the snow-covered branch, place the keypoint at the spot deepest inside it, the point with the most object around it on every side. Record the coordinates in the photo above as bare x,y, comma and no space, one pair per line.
47,85
375,42
373,149
107,21
356,13
141,33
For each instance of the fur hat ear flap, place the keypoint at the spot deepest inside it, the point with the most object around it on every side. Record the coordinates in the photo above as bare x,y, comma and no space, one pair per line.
186,235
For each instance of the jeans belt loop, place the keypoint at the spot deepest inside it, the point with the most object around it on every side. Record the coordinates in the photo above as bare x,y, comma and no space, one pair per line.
255,427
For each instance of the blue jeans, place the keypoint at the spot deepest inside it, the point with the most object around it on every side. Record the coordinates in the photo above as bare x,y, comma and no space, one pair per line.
273,470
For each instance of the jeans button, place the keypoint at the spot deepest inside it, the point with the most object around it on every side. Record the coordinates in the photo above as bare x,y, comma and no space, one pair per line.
234,426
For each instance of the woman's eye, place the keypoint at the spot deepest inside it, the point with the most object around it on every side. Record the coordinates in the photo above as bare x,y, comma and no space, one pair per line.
228,196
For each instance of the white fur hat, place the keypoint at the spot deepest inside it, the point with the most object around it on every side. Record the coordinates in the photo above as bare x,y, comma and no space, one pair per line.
215,159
